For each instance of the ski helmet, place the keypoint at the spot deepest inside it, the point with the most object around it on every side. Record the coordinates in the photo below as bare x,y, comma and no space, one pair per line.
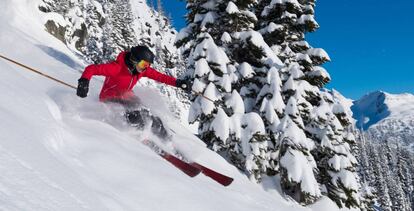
139,53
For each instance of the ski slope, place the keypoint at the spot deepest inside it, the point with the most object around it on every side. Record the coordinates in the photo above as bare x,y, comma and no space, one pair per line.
61,152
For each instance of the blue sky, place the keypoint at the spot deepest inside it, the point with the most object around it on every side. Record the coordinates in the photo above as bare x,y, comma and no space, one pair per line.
370,42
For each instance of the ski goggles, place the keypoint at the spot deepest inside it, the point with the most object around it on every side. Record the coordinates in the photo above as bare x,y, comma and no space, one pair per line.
143,64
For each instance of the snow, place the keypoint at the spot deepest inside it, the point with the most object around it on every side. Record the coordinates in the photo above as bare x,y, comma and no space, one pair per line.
226,38
60,152
250,15
209,18
346,177
256,39
306,18
211,52
246,70
293,133
210,5
302,44
387,116
275,103
322,111
378,106
326,204
57,19
98,7
274,3
251,124
300,170
235,101
295,71
289,85
221,126
143,16
318,52
198,86
319,72
225,82
339,161
271,28
57,153
207,105
269,111
303,57
201,68
232,8
341,102
288,15
184,33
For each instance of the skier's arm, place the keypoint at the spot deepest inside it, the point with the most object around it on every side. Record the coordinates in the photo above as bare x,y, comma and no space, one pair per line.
160,77
109,69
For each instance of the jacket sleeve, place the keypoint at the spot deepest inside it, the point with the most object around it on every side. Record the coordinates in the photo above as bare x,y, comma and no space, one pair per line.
160,77
109,69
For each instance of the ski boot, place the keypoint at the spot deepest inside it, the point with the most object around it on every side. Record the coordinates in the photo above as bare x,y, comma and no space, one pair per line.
139,118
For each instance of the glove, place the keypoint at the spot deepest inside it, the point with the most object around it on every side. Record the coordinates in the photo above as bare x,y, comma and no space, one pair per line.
83,87
184,84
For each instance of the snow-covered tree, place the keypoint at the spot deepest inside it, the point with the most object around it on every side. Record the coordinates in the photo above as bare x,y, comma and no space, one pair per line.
385,170
118,34
297,165
94,21
228,62
283,25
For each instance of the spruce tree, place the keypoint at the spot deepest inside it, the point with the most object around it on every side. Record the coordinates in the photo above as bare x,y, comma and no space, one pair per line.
93,21
295,154
118,33
284,24
207,64
230,71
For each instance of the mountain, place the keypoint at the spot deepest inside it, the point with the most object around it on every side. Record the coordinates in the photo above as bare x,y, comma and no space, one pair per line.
60,152
385,148
389,116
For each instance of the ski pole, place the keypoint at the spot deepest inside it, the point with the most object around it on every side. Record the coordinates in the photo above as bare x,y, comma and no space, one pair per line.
201,95
36,71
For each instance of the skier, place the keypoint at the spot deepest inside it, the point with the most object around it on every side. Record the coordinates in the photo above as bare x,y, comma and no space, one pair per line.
121,76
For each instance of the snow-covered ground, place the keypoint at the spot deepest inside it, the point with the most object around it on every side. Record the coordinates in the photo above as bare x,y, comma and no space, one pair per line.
60,152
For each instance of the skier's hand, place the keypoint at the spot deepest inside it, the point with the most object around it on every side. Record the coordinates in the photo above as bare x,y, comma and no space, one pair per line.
83,87
184,84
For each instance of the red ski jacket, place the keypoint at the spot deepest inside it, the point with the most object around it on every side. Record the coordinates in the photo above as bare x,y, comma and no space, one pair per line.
119,81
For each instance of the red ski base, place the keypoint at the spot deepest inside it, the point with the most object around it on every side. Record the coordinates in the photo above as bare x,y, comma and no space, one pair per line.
218,177
183,166
191,169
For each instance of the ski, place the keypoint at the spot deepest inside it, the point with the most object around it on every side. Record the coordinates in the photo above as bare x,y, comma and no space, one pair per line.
191,169
185,167
218,177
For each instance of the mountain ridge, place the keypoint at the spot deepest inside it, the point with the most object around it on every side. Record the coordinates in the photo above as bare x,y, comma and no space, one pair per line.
387,116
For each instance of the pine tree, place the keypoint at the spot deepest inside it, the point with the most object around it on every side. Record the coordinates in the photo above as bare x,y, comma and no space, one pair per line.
230,71
365,172
384,198
283,25
118,34
94,20
207,64
397,196
404,174
295,154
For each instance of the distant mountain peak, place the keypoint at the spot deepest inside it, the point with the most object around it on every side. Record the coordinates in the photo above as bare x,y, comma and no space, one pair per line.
379,105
